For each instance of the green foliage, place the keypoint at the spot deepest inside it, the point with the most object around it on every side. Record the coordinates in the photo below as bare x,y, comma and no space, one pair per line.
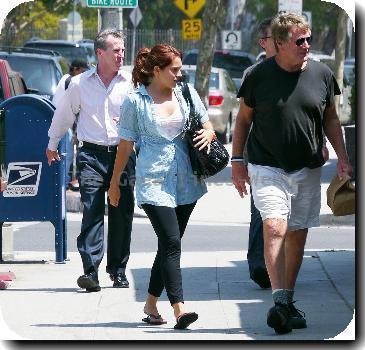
324,16
43,15
157,14
262,9
41,18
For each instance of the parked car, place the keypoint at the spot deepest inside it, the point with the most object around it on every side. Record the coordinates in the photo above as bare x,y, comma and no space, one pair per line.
41,69
68,49
222,100
89,46
11,84
235,62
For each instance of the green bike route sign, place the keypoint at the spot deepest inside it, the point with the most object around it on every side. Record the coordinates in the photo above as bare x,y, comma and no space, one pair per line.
112,3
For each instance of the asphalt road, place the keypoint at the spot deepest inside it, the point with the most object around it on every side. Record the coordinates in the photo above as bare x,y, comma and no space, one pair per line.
198,236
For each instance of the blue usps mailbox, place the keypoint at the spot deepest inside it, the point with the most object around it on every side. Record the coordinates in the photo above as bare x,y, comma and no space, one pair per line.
35,191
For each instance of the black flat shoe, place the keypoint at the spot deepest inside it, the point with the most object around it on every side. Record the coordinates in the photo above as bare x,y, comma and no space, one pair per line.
120,280
185,320
89,282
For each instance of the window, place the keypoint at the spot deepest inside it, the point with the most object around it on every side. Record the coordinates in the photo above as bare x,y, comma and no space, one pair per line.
234,64
190,78
37,73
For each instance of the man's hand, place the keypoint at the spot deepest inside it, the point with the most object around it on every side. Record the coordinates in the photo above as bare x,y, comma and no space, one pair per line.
344,169
114,194
240,178
325,153
52,156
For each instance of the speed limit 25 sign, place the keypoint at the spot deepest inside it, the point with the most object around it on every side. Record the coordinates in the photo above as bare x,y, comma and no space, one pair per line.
191,28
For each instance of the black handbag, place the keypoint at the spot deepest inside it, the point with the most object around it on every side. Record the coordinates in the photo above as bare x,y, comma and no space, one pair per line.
203,164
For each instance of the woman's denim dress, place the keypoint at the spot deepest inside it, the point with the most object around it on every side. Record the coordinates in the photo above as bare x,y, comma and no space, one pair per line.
163,171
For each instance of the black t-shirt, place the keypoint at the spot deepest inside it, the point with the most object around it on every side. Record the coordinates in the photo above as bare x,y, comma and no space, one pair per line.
287,130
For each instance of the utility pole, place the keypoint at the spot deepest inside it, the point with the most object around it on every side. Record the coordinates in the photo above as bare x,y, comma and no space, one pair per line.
111,18
73,19
340,52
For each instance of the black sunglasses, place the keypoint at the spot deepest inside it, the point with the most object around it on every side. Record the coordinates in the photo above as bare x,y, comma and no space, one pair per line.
301,41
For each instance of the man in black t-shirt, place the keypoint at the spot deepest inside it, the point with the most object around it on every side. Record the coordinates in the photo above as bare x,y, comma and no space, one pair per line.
289,100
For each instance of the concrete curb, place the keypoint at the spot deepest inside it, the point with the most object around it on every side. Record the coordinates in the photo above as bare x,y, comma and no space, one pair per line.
331,220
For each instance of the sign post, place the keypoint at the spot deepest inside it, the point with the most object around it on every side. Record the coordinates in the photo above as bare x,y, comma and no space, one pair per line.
112,3
231,40
191,28
190,7
135,17
295,6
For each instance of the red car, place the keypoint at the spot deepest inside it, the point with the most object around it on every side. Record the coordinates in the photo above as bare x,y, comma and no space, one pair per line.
11,84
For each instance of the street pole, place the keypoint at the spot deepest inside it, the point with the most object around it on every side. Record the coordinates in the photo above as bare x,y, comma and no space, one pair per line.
134,36
232,13
73,20
340,54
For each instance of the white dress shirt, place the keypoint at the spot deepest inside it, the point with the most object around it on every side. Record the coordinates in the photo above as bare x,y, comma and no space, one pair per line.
99,109
60,90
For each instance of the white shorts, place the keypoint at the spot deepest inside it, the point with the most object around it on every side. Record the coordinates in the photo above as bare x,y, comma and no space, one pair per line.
294,197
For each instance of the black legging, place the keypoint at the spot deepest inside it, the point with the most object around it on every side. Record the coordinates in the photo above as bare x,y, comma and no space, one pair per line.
169,225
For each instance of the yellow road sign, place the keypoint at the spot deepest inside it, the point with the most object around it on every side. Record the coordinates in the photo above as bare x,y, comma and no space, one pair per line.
190,7
191,29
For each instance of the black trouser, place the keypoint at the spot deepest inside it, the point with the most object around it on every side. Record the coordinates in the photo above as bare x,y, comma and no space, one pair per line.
95,169
255,253
169,225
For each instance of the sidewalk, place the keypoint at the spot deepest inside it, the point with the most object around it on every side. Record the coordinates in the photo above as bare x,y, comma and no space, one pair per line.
44,303
223,204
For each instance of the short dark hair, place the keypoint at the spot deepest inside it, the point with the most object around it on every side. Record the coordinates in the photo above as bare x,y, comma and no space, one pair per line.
100,40
79,63
263,26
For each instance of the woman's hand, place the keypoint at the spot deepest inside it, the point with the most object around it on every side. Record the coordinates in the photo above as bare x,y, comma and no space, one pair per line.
204,138
114,194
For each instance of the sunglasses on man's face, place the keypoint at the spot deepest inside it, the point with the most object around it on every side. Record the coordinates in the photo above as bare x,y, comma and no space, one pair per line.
301,41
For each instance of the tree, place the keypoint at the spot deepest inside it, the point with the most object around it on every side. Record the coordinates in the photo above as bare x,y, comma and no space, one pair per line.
340,51
324,19
214,14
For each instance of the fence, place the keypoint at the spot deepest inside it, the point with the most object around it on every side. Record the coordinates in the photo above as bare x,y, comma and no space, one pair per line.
143,38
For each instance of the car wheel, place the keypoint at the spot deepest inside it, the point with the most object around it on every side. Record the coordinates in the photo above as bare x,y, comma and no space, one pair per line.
226,136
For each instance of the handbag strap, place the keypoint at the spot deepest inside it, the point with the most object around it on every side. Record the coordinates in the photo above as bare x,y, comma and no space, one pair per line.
187,96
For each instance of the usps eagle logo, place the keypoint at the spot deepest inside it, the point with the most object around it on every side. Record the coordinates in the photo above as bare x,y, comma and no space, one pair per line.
23,179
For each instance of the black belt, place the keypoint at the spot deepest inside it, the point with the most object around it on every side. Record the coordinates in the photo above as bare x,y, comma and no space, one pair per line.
96,147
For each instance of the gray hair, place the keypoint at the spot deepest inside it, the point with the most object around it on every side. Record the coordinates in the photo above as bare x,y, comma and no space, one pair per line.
282,24
100,41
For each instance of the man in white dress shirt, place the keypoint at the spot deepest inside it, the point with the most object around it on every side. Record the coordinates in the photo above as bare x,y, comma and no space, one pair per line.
77,67
97,95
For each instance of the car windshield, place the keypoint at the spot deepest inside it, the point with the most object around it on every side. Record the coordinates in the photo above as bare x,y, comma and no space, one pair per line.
235,65
37,73
190,78
69,52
